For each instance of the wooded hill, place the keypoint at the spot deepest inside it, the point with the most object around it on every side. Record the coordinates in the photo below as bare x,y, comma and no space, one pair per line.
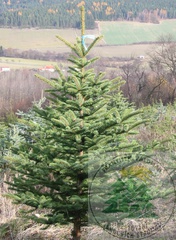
66,14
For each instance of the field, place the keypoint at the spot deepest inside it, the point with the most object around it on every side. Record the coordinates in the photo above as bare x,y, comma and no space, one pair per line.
101,51
14,63
130,34
135,32
38,39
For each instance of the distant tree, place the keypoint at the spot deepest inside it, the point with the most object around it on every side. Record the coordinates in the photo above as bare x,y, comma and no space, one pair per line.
1,51
163,63
135,80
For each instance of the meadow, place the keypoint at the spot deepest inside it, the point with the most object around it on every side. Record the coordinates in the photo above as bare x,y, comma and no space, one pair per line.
124,32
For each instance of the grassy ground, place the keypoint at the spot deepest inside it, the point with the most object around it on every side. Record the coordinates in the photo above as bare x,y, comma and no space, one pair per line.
135,32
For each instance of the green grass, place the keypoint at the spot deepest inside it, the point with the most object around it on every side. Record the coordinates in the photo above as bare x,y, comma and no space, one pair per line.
135,32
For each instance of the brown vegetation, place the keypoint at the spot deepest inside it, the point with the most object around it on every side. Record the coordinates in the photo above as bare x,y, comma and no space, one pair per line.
33,54
19,89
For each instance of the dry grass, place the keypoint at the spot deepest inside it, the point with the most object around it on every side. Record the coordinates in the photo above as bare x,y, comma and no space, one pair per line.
125,51
12,227
52,233
7,209
39,39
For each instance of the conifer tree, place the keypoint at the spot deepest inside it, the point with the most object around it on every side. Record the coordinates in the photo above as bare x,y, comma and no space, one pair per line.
86,113
130,196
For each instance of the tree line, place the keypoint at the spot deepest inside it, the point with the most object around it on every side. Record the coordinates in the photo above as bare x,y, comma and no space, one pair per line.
32,54
65,14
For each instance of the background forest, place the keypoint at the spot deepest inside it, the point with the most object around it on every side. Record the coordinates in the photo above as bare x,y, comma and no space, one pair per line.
65,14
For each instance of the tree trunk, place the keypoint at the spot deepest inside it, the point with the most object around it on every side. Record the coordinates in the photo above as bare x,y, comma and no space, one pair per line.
76,233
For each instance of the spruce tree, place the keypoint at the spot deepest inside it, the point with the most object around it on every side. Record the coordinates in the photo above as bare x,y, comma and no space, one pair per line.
86,113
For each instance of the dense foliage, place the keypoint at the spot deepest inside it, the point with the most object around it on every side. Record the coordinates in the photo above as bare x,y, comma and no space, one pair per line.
65,14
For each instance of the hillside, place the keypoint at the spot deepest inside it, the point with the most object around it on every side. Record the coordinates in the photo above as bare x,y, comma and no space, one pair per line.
65,14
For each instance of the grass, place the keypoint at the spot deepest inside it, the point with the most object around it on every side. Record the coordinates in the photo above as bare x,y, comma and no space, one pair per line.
123,32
